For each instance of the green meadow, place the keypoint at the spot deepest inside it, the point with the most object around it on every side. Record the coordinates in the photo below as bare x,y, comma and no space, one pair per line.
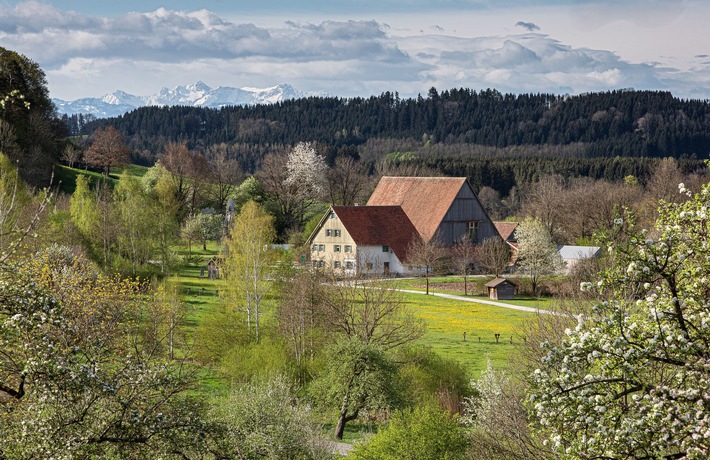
446,321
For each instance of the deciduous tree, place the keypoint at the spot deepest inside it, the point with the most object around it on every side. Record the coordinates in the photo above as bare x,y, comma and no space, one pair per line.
492,255
249,262
422,433
537,253
631,379
369,319
108,150
426,254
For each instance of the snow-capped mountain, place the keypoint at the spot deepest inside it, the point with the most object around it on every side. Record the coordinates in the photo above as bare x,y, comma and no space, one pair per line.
197,95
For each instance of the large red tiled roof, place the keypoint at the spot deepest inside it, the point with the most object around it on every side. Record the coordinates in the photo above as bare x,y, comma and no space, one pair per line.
378,225
506,229
425,200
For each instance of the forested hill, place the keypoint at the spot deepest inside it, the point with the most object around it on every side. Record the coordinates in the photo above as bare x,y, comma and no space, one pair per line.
609,124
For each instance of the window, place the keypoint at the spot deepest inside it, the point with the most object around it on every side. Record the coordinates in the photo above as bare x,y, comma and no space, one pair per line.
473,231
336,232
385,248
332,215
349,265
315,248
336,248
321,263
336,264
348,248
321,247
328,232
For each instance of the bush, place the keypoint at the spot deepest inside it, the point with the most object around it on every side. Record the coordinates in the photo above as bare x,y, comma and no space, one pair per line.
266,420
420,434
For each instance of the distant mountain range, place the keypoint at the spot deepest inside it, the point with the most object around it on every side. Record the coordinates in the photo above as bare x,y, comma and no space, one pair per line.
196,95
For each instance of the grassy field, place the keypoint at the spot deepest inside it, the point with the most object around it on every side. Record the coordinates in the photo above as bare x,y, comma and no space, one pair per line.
66,176
447,320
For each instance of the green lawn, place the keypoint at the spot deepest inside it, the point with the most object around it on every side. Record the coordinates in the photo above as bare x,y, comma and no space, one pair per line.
476,290
447,320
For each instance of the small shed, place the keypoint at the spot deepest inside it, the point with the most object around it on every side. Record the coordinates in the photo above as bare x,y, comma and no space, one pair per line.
501,289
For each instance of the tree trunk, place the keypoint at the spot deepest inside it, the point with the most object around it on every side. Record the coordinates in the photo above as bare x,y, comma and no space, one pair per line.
427,280
343,419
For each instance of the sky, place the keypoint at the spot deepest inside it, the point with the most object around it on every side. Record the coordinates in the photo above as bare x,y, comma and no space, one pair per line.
90,48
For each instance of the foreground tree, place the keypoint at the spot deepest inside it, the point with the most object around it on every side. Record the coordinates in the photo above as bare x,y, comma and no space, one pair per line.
631,380
424,433
369,320
267,420
76,378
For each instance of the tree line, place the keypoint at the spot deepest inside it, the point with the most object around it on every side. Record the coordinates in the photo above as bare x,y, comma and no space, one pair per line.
607,124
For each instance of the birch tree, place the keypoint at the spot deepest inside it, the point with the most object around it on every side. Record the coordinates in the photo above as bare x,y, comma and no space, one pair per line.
249,262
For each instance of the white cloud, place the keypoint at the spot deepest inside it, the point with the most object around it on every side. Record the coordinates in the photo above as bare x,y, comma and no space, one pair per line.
141,52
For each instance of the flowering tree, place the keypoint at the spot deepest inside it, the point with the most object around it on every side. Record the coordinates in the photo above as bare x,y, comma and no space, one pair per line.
77,377
632,379
306,169
537,253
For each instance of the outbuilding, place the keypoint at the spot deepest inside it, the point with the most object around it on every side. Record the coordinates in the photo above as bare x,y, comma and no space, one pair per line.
501,289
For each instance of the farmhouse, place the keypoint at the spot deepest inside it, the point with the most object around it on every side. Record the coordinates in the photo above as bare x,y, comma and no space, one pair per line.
363,239
375,238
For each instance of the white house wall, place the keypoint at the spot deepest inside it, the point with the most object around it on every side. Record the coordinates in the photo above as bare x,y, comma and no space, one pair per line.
371,259
323,247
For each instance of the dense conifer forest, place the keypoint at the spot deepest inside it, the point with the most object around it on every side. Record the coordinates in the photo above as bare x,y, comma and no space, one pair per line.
616,123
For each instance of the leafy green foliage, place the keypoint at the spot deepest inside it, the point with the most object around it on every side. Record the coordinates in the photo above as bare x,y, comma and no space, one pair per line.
28,127
359,377
423,433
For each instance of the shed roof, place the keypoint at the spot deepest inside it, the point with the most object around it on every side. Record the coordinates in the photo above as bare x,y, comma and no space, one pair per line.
425,200
378,225
498,281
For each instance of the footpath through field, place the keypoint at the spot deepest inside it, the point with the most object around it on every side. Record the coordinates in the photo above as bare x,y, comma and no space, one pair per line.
483,301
